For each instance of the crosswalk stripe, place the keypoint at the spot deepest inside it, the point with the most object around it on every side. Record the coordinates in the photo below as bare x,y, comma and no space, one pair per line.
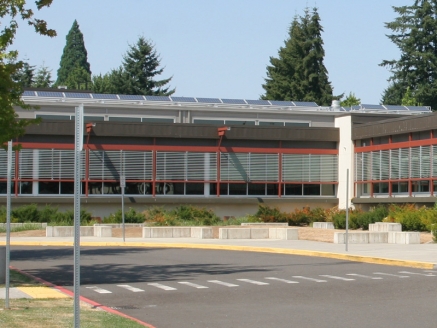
363,276
191,284
336,277
390,274
260,283
418,274
99,290
218,282
132,289
283,280
311,279
430,271
161,286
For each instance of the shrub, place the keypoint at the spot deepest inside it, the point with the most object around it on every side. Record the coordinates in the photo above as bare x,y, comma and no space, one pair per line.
268,214
434,232
25,213
131,216
199,216
47,214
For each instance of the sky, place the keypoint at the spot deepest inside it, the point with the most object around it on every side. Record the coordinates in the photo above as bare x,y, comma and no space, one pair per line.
221,48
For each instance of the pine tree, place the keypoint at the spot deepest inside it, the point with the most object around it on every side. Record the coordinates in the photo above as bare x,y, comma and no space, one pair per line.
136,75
413,32
350,100
74,59
25,75
299,73
43,78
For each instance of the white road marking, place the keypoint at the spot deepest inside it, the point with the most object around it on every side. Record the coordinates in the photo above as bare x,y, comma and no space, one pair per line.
311,279
132,289
283,280
430,271
362,276
161,286
260,283
390,274
99,290
336,277
222,283
191,284
418,274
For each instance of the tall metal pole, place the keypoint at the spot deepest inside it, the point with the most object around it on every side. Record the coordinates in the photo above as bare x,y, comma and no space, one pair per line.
8,222
77,188
347,208
122,185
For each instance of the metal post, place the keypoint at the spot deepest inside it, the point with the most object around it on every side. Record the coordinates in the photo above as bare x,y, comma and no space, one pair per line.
8,223
122,185
77,187
347,208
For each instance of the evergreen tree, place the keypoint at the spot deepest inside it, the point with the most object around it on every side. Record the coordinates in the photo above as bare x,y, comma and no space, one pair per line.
102,84
25,75
413,32
74,60
351,100
299,73
136,75
43,78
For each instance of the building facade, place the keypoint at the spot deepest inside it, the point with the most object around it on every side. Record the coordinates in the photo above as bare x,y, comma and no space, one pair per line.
228,155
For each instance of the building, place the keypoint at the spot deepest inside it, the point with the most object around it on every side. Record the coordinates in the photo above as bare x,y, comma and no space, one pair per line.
228,155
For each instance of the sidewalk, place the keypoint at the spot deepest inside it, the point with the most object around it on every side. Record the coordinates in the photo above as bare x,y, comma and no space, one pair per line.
412,255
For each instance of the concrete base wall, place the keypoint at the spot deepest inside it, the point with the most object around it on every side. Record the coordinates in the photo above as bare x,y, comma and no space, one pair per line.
385,227
102,231
323,225
353,238
19,225
201,233
234,233
68,231
285,224
2,265
119,225
406,237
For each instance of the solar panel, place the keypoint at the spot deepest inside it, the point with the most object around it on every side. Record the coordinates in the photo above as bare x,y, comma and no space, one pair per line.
49,94
305,104
356,107
372,106
209,100
234,101
183,99
418,108
131,97
28,93
258,102
103,96
157,98
281,103
395,107
77,95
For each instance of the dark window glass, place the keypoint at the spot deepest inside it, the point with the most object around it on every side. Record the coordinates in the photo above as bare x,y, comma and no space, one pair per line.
124,119
195,188
311,190
67,188
213,122
26,188
381,140
422,135
230,122
293,190
256,189
328,190
400,137
237,189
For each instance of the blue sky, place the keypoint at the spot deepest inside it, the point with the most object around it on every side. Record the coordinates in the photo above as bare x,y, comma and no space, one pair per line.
220,48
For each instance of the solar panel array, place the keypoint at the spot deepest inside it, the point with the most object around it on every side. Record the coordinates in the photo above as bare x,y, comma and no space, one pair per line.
214,101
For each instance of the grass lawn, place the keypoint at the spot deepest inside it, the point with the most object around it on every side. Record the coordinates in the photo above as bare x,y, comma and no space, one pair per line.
53,313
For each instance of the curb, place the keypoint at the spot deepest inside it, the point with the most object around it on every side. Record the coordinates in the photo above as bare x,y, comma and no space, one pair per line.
83,299
338,256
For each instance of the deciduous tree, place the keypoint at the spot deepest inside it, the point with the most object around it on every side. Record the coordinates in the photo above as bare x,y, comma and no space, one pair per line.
11,12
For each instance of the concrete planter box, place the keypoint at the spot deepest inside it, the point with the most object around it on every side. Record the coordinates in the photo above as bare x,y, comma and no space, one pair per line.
102,231
406,237
384,227
201,232
68,231
323,225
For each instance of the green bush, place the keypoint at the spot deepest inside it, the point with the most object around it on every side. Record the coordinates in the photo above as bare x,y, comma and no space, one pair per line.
25,213
131,216
199,216
268,214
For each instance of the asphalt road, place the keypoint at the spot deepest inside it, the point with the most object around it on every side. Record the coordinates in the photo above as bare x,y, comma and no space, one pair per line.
210,288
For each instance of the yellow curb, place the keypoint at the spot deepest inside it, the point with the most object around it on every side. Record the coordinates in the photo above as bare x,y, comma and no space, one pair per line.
338,256
42,292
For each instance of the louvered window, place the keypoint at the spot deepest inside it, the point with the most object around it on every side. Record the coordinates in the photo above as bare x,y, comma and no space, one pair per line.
376,165
404,163
309,168
434,161
415,162
385,164
394,164
249,167
4,162
138,165
186,166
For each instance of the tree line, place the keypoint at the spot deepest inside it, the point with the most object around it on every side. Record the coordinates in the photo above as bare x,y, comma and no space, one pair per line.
296,73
